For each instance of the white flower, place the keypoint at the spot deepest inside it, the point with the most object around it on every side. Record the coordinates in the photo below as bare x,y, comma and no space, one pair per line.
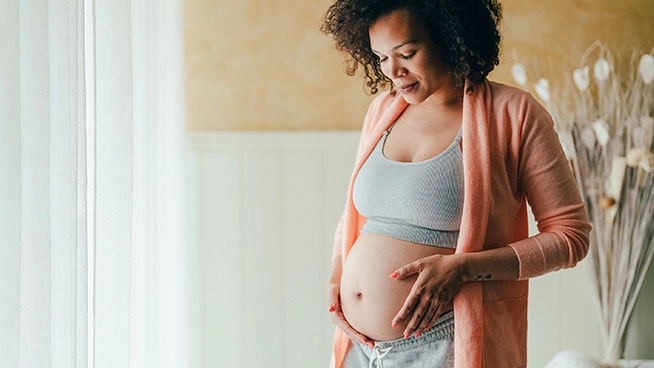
602,69
641,157
635,155
542,87
588,138
601,129
647,162
573,359
519,74
646,68
580,76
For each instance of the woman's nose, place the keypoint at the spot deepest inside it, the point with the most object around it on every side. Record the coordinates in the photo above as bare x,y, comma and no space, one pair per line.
392,68
396,69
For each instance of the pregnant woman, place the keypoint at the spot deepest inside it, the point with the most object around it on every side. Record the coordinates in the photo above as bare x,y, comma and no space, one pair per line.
432,254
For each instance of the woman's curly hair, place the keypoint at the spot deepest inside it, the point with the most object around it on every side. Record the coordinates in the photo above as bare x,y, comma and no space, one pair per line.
465,31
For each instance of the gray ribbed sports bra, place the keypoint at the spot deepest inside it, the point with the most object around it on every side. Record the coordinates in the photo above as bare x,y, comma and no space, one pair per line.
420,202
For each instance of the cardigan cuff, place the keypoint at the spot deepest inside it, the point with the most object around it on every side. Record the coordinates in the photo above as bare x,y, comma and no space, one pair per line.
531,259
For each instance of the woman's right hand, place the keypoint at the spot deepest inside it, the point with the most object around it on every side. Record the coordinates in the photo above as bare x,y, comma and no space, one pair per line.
334,301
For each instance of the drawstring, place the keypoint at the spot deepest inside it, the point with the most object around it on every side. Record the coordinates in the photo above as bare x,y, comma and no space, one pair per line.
377,355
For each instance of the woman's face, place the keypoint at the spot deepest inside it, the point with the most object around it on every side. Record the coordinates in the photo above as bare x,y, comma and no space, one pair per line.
408,56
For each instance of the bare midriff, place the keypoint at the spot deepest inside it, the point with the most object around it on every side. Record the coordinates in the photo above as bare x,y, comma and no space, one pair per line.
369,297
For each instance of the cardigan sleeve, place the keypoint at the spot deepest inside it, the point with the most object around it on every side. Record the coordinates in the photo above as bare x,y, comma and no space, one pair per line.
547,180
375,109
337,249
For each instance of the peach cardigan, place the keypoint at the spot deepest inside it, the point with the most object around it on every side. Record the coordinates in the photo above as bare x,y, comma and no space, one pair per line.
511,154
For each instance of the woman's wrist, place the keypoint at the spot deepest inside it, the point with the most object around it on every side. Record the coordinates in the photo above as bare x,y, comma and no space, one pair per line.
337,270
495,264
466,267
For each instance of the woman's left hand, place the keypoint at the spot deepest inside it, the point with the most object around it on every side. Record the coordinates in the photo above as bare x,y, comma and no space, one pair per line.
439,278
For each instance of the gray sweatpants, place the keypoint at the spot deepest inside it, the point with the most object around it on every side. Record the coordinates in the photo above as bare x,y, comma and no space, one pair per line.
433,349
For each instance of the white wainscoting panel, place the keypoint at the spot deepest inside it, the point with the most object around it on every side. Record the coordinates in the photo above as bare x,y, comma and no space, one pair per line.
263,207
262,210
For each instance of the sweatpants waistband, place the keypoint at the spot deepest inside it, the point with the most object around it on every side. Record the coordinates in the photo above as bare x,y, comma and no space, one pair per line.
443,329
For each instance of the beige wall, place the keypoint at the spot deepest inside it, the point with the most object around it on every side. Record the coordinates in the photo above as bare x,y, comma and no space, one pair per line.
551,35
264,65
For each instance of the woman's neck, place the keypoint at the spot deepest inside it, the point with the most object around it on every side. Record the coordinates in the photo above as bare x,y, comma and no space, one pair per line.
446,99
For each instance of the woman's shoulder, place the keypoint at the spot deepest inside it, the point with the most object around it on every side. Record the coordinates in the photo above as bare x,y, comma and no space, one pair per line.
514,100
509,94
384,101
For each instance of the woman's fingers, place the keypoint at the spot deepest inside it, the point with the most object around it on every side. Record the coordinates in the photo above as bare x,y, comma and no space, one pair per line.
420,313
338,318
431,318
333,303
407,308
438,281
407,270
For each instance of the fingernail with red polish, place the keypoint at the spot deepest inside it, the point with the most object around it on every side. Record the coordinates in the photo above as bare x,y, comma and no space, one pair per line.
406,335
394,275
332,308
394,324
418,334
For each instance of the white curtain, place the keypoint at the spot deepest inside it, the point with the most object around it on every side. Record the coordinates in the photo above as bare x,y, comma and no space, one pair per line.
93,268
43,195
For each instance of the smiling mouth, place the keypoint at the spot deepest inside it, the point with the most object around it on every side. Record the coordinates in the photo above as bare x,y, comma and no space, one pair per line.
408,87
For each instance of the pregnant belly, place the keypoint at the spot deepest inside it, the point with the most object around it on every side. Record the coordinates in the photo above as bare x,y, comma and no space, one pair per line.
369,297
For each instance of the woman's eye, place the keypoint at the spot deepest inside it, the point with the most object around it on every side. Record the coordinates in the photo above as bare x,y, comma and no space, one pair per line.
407,56
382,59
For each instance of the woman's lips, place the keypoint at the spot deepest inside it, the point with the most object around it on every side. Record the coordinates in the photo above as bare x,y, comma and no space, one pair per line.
406,88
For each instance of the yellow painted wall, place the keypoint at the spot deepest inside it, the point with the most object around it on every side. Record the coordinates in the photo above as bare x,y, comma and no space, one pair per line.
551,35
264,65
